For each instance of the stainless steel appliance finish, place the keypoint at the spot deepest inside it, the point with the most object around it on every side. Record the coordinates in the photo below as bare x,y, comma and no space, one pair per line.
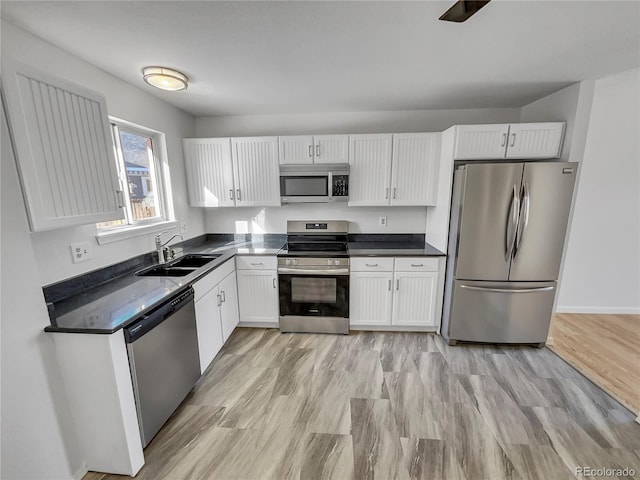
164,361
506,236
313,278
317,183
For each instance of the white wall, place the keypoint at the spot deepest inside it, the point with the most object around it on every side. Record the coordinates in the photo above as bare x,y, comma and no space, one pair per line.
349,122
274,219
38,440
364,220
602,264
123,101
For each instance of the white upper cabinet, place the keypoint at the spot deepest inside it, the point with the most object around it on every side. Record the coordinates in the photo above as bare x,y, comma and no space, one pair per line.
517,140
331,148
64,149
209,172
306,149
370,175
256,171
414,177
296,149
535,140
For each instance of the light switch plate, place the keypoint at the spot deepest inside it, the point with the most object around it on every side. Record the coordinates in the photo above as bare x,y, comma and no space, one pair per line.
183,227
382,221
80,252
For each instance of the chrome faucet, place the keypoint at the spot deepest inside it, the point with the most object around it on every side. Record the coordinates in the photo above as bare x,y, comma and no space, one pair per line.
160,246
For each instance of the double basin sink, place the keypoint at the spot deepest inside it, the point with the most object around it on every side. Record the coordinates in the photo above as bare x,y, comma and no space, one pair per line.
178,268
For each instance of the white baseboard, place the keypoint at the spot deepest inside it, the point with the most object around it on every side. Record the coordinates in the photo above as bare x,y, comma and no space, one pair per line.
393,328
81,472
603,310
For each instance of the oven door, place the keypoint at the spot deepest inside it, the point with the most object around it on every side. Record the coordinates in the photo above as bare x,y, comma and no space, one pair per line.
311,295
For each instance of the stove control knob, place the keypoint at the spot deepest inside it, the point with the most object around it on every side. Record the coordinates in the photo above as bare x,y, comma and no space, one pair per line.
287,261
328,261
294,261
336,262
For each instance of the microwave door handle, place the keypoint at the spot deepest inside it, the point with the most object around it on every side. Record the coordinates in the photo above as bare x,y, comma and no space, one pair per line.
330,185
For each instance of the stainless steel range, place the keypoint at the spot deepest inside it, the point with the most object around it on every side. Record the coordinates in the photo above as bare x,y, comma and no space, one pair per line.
313,276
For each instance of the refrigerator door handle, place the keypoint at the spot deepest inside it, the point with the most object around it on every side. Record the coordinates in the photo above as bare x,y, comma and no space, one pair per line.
512,225
523,222
507,290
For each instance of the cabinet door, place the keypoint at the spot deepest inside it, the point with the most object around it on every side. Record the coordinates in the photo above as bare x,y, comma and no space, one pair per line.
297,149
535,140
64,149
258,296
229,314
370,298
370,176
256,171
479,142
331,148
209,172
209,327
414,176
415,298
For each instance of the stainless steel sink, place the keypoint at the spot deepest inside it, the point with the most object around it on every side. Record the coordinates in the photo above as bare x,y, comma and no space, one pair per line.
193,260
178,268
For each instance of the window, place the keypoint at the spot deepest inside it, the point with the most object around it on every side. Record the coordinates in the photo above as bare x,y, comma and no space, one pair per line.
137,152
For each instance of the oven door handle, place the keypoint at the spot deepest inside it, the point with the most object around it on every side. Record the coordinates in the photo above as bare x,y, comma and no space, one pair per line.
310,271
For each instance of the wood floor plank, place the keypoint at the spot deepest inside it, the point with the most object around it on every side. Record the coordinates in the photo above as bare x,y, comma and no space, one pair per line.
388,405
605,348
377,450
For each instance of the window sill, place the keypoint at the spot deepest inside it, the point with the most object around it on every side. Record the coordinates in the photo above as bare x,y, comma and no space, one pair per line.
118,234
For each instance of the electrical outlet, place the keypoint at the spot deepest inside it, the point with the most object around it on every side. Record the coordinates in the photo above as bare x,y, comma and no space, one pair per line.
382,221
80,252
183,227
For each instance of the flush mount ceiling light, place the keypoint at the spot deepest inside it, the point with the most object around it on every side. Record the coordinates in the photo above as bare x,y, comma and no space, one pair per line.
165,78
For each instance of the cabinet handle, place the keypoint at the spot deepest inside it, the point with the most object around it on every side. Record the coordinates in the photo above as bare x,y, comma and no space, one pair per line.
238,193
394,193
389,285
120,198
386,193
398,284
318,150
219,300
513,139
311,150
504,140
231,194
417,264
274,282
371,264
224,298
256,264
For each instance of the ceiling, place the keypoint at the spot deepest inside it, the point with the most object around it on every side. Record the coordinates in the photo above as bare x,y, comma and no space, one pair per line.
306,56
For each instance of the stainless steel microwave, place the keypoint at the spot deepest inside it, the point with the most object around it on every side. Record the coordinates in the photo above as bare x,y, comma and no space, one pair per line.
315,183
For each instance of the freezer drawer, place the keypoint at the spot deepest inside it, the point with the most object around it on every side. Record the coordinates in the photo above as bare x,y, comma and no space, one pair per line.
500,312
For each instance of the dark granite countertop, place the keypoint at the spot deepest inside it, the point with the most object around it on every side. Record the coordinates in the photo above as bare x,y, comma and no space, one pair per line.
115,302
108,299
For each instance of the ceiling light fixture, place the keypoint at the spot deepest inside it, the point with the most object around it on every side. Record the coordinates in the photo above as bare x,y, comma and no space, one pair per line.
165,78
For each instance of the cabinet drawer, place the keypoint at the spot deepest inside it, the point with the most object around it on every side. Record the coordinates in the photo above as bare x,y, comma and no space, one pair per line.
256,262
371,264
417,264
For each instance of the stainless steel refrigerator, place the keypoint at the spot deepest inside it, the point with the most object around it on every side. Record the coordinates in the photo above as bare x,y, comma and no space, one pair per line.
506,236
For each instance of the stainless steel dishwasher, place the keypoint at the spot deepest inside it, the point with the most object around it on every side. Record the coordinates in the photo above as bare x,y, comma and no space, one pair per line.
164,361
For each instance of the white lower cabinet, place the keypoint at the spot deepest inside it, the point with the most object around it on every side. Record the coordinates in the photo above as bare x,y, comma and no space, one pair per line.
216,303
406,294
370,298
257,290
228,291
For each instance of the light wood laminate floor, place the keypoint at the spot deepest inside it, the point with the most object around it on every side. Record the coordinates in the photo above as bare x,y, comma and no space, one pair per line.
388,406
605,348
